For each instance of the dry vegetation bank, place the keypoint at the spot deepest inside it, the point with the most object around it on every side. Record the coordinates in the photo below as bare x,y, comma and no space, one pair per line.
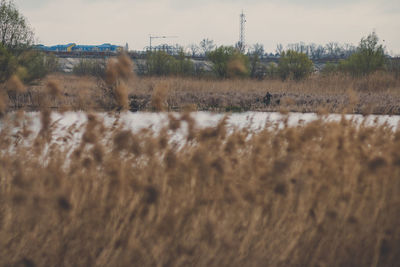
378,94
323,194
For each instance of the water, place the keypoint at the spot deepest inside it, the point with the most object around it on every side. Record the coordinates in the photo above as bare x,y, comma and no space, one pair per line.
70,126
252,121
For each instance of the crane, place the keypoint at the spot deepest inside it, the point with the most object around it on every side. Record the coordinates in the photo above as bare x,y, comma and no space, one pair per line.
159,37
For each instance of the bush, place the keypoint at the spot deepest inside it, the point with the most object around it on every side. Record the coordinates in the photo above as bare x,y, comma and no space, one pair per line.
294,65
368,58
35,65
8,64
271,71
90,67
257,69
183,66
28,65
330,68
229,62
393,66
160,63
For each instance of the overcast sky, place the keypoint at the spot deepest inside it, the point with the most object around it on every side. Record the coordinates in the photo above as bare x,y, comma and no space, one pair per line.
268,22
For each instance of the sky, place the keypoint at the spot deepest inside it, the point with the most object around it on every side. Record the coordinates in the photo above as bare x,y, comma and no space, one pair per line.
268,22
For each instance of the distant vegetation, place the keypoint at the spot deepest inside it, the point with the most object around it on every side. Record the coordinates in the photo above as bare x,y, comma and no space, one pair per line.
15,31
16,54
91,67
228,62
369,57
159,63
294,65
18,58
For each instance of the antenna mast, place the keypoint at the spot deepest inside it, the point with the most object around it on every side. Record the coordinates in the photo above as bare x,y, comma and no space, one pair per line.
242,36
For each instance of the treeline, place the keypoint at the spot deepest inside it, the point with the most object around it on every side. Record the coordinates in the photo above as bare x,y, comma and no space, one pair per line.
19,59
229,62
314,51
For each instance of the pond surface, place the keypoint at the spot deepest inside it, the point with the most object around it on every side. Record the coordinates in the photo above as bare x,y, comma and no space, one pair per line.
250,120
70,126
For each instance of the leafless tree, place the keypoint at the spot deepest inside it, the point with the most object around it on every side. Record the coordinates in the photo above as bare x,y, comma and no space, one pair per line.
257,49
194,49
279,49
206,45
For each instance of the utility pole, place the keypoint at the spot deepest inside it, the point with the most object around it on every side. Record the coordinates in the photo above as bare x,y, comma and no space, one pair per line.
159,37
242,36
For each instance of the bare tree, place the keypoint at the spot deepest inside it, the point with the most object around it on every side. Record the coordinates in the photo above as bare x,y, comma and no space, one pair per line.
257,49
349,49
194,49
333,49
299,47
14,29
279,49
207,45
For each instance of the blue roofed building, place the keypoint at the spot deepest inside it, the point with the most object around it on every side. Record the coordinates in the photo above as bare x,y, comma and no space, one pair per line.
72,47
57,48
97,48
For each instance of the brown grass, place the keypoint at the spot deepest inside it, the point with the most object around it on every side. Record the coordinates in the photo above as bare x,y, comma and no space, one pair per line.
323,194
378,93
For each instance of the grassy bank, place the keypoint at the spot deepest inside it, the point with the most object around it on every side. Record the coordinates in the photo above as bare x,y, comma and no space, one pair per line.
323,194
378,93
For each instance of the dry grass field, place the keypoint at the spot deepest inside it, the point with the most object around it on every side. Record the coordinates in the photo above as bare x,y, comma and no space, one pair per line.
378,94
319,194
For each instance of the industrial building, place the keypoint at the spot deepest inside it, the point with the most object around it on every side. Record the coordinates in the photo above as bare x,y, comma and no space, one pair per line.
72,47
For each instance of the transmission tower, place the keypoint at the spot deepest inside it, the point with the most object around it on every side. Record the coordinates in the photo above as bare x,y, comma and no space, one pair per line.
242,41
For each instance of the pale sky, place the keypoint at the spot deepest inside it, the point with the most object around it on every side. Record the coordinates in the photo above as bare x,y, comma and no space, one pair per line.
268,22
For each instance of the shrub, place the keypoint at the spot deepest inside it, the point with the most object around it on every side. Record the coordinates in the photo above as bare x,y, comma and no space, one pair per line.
90,67
368,58
257,69
160,63
393,66
271,71
8,64
330,68
294,65
229,62
35,65
28,65
183,66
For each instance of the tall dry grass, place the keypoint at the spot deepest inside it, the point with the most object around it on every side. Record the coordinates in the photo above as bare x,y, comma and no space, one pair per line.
322,194
378,93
